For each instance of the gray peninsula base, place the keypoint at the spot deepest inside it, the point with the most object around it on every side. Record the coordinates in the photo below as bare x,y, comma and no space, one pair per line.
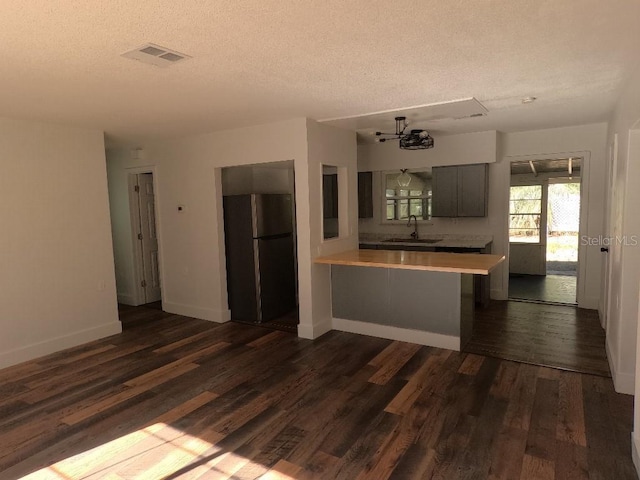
440,303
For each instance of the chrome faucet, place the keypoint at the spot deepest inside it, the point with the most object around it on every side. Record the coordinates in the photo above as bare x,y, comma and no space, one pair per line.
414,234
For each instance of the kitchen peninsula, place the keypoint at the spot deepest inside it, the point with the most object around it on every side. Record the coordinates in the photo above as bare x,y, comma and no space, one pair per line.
420,297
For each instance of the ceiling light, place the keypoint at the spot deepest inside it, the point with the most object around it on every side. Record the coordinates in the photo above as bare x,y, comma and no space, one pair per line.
529,99
414,140
404,179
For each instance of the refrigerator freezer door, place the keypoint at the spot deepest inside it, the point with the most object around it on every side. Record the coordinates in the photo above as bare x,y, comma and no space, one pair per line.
272,214
241,267
277,277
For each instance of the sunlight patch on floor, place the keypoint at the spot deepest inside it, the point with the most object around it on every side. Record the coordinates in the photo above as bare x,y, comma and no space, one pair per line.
154,452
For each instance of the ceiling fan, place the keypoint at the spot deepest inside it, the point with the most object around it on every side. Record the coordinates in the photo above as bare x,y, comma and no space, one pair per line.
414,140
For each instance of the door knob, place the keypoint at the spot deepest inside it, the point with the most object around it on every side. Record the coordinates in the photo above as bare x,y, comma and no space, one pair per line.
604,249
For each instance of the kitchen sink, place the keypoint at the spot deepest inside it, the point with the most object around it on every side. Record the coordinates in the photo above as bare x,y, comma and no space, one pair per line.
413,240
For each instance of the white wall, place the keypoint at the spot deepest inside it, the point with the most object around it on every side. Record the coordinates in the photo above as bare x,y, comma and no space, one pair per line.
188,172
462,149
121,225
337,147
624,200
56,262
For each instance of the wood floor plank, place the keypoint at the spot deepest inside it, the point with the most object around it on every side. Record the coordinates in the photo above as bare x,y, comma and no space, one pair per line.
282,470
471,364
541,442
538,468
571,461
521,399
178,398
136,386
397,355
507,454
402,403
571,426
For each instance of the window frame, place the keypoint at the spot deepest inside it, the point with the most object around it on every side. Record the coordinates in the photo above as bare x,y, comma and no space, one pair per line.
542,226
398,198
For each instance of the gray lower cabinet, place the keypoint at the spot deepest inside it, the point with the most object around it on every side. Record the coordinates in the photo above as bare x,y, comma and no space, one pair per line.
460,191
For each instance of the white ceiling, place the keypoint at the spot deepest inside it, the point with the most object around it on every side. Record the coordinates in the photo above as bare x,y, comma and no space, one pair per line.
261,61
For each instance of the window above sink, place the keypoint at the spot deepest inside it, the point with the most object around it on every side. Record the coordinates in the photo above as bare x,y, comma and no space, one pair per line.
406,192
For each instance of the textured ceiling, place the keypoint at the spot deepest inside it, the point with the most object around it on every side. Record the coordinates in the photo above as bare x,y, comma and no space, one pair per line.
261,61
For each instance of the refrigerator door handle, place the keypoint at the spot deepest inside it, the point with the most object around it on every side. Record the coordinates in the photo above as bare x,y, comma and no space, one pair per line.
256,266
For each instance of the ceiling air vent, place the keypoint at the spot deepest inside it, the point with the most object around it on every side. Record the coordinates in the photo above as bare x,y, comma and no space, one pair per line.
156,55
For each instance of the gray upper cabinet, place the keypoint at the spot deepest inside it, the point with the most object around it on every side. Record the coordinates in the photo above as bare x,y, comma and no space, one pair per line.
444,193
460,190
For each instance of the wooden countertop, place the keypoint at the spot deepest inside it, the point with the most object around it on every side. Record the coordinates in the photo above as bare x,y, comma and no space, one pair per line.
480,264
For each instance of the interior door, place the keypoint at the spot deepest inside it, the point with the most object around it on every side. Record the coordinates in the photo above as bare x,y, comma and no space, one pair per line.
148,238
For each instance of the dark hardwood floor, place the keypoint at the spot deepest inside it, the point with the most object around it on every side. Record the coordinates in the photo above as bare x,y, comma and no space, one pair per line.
557,336
544,288
173,397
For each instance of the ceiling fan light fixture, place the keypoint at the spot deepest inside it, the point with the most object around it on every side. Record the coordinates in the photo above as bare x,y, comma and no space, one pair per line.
415,140
404,179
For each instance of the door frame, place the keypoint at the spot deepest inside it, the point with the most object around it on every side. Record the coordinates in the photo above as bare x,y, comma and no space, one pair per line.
584,202
134,219
611,181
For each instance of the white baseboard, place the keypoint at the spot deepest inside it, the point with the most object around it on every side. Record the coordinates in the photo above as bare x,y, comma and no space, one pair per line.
210,314
623,382
126,299
395,333
635,452
313,331
46,347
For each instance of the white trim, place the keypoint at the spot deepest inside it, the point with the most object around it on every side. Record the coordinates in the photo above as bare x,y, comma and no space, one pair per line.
584,227
127,299
395,333
622,382
136,251
313,331
57,344
210,314
635,452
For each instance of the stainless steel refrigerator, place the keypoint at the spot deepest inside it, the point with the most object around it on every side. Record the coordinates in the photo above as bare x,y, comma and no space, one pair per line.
260,256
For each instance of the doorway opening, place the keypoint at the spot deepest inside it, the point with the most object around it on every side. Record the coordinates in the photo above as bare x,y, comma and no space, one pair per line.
260,244
145,239
544,225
